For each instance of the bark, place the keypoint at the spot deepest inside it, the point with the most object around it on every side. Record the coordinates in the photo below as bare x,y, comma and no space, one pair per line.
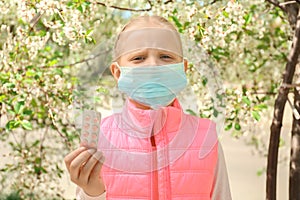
294,187
278,113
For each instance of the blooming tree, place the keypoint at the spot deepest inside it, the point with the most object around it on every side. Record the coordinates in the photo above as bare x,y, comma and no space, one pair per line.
43,45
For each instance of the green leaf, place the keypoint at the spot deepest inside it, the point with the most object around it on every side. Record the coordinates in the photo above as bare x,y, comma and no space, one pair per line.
19,107
260,172
27,112
81,8
228,127
26,125
255,115
237,126
28,81
215,112
36,143
191,112
4,77
204,81
246,100
59,72
52,62
30,73
9,85
2,97
248,18
225,14
88,32
12,124
177,23
281,142
39,170
42,33
260,107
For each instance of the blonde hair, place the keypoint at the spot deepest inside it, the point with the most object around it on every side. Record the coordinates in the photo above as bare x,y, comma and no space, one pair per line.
144,20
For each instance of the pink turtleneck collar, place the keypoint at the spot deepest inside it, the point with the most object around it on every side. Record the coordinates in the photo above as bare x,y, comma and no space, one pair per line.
151,121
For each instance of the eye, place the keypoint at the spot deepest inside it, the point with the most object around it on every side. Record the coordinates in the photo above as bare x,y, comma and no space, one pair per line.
138,58
166,57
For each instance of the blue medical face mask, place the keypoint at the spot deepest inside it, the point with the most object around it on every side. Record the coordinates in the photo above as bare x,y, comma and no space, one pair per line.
154,86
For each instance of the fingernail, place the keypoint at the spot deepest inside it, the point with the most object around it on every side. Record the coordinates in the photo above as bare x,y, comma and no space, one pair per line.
98,155
91,151
102,159
82,148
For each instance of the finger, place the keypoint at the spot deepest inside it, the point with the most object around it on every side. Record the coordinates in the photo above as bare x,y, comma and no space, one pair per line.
70,157
96,170
78,161
89,165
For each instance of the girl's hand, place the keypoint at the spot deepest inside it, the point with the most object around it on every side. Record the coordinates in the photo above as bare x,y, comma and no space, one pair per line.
84,167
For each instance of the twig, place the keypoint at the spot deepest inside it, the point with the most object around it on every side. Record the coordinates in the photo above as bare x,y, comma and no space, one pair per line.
295,111
288,2
78,62
210,3
266,93
285,85
170,1
277,4
35,19
127,9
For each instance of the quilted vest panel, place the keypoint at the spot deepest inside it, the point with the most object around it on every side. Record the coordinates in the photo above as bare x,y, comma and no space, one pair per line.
177,162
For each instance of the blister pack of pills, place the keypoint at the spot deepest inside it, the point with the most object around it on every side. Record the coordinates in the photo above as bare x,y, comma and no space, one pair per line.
90,128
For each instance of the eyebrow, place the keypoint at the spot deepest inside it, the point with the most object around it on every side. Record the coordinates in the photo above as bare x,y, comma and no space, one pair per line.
146,50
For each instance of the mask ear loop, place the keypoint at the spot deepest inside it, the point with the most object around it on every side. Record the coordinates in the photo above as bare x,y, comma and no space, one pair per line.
117,64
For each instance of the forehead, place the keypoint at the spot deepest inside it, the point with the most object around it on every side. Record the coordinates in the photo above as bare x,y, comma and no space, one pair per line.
150,38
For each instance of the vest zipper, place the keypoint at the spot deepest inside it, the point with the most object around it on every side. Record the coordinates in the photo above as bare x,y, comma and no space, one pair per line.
154,188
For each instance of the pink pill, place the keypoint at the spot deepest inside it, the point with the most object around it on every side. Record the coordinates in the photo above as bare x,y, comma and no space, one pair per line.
87,126
94,136
87,118
84,142
96,120
93,144
95,128
85,134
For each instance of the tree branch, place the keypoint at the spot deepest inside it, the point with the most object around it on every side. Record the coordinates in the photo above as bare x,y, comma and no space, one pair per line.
290,85
169,1
78,62
287,3
277,4
265,93
278,113
295,147
127,9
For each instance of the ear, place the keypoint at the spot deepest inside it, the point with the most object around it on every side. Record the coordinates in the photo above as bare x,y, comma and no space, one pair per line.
186,64
115,70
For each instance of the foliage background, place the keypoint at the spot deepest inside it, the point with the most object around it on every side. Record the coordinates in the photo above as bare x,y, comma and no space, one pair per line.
46,48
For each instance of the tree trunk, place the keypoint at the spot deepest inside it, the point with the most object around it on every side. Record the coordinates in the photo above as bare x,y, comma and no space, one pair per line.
294,188
278,113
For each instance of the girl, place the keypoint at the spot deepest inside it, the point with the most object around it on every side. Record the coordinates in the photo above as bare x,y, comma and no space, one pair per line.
152,149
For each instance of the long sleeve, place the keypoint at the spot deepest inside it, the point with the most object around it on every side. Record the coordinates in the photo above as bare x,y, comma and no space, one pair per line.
221,188
81,195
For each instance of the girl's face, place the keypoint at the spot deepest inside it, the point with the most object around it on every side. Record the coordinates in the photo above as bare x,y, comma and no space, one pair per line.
146,57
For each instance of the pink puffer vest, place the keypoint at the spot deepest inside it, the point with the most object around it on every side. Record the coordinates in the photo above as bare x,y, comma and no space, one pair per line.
158,154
